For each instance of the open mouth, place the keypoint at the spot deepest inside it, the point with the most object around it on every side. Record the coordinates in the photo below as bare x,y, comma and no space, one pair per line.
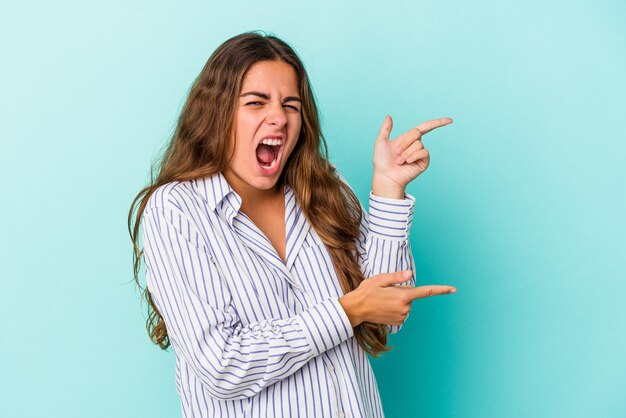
268,153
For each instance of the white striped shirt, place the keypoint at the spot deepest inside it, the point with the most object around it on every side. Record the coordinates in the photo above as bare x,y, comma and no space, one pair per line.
254,336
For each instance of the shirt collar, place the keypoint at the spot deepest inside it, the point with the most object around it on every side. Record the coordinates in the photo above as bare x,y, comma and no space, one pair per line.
218,194
221,197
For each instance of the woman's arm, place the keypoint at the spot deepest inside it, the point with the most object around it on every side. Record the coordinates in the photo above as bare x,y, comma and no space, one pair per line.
384,239
231,360
384,245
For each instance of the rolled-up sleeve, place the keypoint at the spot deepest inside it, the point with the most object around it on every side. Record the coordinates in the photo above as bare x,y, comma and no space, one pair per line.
232,361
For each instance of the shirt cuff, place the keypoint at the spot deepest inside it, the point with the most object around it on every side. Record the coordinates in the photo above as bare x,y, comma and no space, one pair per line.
325,325
391,218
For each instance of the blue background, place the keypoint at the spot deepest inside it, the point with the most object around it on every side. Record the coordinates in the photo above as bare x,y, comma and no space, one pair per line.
522,207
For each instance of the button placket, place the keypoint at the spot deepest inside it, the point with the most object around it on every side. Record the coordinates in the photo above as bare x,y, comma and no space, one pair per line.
339,395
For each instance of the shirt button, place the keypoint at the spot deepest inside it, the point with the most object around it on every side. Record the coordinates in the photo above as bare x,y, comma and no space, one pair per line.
341,415
331,368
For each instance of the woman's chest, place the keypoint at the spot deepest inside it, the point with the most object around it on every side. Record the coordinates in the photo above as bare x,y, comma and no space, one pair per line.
263,284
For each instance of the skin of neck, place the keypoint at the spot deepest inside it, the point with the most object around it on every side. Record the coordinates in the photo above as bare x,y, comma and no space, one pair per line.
252,196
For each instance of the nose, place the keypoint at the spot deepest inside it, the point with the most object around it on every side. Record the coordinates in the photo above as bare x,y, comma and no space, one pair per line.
276,116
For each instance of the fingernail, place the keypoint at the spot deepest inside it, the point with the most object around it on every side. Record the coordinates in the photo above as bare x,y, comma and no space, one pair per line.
407,274
399,160
453,291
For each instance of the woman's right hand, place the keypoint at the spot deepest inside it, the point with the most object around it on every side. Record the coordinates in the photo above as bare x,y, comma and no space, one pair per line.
377,300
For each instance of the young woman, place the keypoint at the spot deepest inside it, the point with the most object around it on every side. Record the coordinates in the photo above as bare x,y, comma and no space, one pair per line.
257,250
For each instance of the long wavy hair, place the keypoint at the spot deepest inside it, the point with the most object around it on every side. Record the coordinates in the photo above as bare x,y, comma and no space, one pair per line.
200,147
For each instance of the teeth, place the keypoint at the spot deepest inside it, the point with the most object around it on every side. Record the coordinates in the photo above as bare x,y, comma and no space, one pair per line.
272,165
273,142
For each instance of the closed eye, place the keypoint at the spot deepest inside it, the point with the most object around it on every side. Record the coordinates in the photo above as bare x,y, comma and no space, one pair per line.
257,103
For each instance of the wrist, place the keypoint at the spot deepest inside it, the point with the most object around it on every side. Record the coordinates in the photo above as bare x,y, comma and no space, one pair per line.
351,306
383,187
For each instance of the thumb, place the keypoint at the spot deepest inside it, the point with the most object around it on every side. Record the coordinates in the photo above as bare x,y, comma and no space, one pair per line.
385,129
395,278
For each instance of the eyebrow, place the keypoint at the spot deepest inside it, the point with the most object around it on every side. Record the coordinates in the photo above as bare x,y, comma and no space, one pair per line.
266,97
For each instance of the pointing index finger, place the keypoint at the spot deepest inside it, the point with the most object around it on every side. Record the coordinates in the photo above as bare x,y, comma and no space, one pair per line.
431,290
415,134
433,124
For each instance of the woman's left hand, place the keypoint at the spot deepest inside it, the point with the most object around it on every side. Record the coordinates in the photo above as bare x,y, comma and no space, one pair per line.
397,162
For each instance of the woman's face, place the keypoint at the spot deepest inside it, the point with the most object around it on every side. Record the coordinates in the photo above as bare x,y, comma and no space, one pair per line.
267,125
